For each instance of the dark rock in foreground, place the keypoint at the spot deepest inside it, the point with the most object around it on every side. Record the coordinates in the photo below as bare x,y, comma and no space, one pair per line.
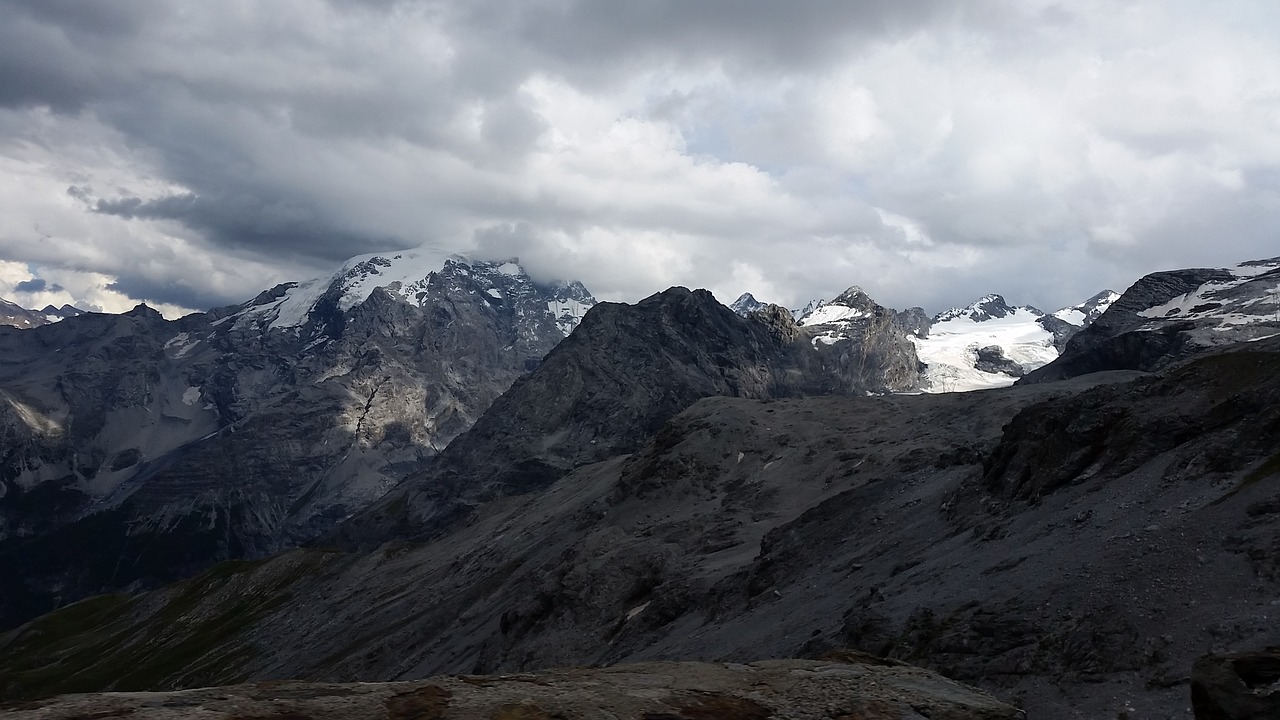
1239,686
864,687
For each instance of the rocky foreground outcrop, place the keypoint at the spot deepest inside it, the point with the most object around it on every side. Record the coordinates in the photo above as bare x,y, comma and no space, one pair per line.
1237,686
857,688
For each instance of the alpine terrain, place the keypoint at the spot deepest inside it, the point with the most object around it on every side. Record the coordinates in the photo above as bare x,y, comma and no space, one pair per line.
139,450
674,482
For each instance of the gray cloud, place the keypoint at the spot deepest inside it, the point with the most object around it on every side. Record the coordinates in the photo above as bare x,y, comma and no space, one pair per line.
34,285
930,151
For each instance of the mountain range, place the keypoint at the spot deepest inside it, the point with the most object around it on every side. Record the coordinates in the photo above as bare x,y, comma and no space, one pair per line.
140,450
14,315
475,492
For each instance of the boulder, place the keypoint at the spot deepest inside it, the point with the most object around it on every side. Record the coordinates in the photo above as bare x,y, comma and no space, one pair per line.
1237,686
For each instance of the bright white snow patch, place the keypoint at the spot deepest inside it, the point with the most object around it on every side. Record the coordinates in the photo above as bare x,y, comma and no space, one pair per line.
951,350
402,271
830,314
181,344
1073,315
826,339
510,269
191,396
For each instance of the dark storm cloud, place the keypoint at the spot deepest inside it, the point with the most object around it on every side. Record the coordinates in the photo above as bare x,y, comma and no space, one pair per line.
33,285
210,130
245,221
153,291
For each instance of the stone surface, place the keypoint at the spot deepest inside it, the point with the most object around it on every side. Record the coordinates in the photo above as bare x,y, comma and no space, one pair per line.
860,687
1237,686
991,359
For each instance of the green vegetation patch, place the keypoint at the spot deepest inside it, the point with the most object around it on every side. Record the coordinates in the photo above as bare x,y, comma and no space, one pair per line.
197,637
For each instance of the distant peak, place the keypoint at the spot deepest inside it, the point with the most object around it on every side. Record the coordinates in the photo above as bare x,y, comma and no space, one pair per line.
987,307
853,292
746,304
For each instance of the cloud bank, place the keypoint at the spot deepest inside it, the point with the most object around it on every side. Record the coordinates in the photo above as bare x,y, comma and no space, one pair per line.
190,154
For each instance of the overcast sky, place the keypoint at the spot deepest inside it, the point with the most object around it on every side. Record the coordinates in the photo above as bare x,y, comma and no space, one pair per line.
189,154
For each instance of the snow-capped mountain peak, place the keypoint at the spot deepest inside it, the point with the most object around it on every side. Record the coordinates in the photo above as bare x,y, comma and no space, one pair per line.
568,302
986,308
851,304
409,274
746,304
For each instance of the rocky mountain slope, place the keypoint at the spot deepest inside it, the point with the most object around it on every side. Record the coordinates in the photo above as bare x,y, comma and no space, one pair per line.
138,450
14,315
624,372
1072,547
1166,316
677,482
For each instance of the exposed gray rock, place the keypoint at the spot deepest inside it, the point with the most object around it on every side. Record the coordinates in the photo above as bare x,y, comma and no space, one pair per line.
612,384
991,359
1237,686
859,687
1061,329
864,341
139,450
915,321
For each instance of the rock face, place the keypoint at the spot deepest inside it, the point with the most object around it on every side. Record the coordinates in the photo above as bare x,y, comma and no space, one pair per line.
611,385
139,450
865,340
858,687
991,359
1167,316
1237,686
